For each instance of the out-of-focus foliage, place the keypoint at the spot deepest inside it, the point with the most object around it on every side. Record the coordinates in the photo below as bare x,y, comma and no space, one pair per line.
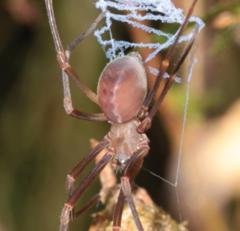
225,17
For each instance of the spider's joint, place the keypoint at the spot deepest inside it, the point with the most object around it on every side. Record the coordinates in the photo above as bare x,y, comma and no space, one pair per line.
62,59
67,207
165,63
108,138
69,183
111,151
126,186
68,105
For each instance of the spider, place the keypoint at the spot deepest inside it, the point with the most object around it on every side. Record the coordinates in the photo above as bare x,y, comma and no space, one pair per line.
121,95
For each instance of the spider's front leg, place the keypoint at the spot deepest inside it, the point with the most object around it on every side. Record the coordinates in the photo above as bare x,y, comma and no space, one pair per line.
146,123
67,71
127,178
143,113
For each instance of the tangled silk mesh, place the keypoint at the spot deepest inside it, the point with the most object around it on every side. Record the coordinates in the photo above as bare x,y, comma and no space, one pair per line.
163,10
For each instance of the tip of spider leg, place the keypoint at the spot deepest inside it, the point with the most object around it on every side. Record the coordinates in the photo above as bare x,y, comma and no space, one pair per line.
69,182
68,105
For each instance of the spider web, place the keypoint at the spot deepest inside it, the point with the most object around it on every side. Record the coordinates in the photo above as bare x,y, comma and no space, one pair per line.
164,11
156,10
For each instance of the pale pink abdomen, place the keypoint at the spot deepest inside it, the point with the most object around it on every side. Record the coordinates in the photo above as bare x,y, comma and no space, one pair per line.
122,88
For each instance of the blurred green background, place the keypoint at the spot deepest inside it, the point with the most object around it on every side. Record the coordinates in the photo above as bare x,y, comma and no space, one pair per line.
40,144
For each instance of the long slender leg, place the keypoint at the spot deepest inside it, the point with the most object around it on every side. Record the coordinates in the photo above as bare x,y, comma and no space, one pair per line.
72,176
73,215
88,205
69,205
67,70
67,95
86,32
127,178
119,209
61,53
118,212
146,123
70,110
143,111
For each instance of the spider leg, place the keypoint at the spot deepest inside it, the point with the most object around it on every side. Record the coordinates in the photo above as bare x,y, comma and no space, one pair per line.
63,57
70,110
67,95
86,32
72,176
127,178
146,123
73,215
88,205
118,212
143,111
69,205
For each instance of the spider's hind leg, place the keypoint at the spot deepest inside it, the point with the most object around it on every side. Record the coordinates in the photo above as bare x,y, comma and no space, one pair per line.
68,210
130,172
69,205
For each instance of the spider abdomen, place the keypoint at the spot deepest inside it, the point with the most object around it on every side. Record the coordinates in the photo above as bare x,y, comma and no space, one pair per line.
122,88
